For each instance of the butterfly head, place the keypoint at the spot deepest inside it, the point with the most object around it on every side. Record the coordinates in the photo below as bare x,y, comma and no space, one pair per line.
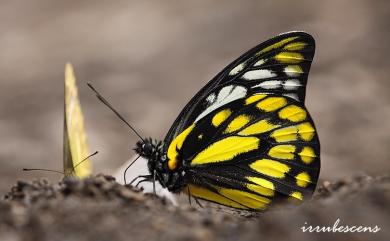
146,148
158,164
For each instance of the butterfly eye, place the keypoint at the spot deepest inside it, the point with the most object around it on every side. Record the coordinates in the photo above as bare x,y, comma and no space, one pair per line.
147,147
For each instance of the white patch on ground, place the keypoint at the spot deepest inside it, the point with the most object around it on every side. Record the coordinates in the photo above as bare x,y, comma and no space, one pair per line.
140,168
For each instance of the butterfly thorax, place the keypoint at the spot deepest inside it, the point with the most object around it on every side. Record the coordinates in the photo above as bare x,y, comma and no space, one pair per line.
152,150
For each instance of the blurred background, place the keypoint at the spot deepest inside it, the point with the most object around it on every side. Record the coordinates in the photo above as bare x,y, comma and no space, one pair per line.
150,57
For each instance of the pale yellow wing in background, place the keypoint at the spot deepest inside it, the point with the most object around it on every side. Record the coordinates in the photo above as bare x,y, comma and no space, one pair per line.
75,138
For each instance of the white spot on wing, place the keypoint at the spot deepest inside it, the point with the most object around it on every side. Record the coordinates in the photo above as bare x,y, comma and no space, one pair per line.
258,74
291,84
291,71
224,92
226,95
272,84
211,98
237,69
292,95
260,62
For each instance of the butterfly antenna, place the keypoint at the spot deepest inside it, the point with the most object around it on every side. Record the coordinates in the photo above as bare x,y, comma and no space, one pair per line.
124,174
49,170
96,152
105,102
42,169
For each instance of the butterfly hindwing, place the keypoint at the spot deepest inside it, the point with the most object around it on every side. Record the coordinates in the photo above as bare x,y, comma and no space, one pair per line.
251,151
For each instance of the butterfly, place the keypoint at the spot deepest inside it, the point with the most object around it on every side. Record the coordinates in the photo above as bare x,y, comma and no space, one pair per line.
76,161
76,151
246,139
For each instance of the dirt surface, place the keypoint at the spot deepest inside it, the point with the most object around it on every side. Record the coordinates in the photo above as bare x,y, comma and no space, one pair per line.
98,208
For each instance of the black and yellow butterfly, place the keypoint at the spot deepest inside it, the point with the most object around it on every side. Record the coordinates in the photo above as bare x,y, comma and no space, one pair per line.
245,140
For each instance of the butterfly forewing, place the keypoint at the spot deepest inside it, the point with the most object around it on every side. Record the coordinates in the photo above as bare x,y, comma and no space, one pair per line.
75,138
277,66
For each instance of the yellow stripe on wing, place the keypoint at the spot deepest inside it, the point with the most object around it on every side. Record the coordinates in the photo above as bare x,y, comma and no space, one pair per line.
247,199
276,45
226,149
261,186
304,131
293,113
175,145
230,197
254,98
270,168
303,179
237,123
209,195
271,104
289,57
220,117
295,46
258,128
282,152
307,154
296,196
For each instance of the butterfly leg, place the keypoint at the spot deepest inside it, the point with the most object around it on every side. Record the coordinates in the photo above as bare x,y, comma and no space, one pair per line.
189,198
140,176
143,180
154,183
189,195
127,168
197,202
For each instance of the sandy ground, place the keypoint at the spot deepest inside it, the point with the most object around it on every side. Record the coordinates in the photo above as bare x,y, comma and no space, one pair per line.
150,57
100,209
